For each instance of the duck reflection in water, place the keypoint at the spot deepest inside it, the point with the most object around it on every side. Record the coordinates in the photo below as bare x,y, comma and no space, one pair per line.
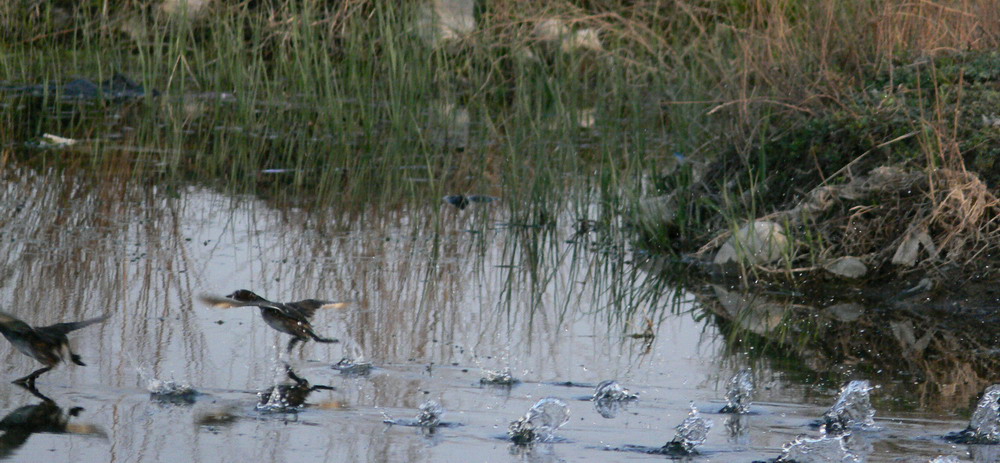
287,397
43,417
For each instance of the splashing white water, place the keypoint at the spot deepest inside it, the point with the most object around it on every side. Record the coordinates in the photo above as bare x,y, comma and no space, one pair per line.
691,433
430,414
984,426
739,392
853,409
611,390
540,423
825,449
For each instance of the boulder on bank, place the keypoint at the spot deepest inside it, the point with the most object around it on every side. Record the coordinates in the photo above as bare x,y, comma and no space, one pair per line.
761,242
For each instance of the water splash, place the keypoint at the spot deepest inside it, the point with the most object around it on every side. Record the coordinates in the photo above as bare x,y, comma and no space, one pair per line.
161,387
167,390
691,433
430,414
498,377
540,423
352,367
853,409
282,398
984,426
825,449
610,398
611,390
945,459
739,392
285,397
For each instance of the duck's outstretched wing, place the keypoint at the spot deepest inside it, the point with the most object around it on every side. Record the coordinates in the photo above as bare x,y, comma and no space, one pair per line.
220,302
309,307
65,328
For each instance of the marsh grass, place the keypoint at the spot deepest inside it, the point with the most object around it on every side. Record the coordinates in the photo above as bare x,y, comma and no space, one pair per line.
360,104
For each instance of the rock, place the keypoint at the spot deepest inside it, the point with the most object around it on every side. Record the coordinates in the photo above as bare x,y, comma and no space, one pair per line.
908,250
445,20
762,242
186,9
550,30
55,141
583,39
847,267
846,312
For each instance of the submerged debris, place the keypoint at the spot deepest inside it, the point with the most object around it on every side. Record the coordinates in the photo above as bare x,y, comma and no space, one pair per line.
825,449
691,433
739,392
540,423
853,409
498,377
984,426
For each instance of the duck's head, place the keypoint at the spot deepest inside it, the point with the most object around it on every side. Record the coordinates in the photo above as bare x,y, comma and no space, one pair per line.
245,295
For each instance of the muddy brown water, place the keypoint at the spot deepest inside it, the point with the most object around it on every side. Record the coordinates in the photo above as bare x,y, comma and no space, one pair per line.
437,295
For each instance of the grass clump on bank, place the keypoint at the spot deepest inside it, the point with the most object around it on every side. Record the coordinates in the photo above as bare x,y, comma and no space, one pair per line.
871,92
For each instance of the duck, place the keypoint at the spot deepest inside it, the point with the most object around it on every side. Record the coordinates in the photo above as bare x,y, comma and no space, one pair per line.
47,344
287,317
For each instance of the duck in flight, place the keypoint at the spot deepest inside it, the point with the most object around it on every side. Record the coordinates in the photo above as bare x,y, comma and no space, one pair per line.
287,317
47,344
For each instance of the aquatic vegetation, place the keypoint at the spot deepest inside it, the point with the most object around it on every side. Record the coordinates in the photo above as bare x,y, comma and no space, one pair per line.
853,409
540,423
739,392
